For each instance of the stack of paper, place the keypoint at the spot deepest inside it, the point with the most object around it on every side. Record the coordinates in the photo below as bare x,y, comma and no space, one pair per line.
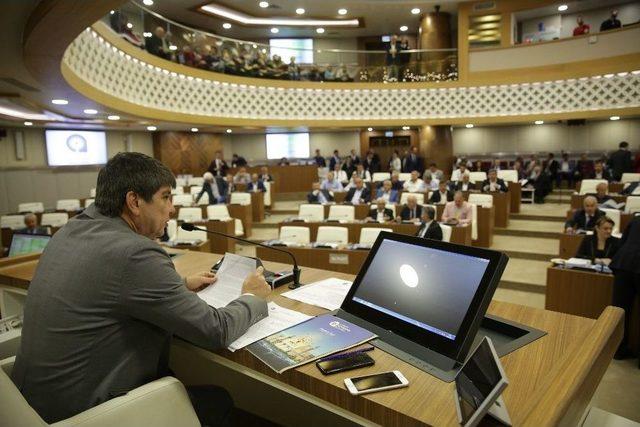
327,293
231,275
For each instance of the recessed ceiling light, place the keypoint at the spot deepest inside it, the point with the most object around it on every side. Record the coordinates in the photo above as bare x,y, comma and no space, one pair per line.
263,4
405,128
173,47
151,128
415,11
59,101
300,11
113,117
320,30
111,12
28,123
129,25
614,118
148,2
539,122
194,129
274,30
229,131
370,129
404,28
226,25
90,111
342,11
562,8
147,34
468,125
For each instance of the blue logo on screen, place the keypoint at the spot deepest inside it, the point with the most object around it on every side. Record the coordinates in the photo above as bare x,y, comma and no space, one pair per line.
77,143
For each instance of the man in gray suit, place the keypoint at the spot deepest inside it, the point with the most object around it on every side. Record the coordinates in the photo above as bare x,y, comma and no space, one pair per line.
106,299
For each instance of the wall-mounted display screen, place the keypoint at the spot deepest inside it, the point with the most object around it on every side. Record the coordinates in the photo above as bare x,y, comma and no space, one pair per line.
302,49
76,147
289,145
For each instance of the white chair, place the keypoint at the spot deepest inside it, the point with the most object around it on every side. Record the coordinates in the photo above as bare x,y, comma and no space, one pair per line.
241,198
508,175
380,176
172,229
178,190
446,232
474,221
181,182
92,193
484,200
588,186
195,189
342,212
55,219
160,403
191,236
190,214
368,235
632,205
68,205
14,222
614,214
630,177
221,213
311,212
295,234
477,177
327,234
195,180
404,176
182,200
405,195
31,207
88,202
267,193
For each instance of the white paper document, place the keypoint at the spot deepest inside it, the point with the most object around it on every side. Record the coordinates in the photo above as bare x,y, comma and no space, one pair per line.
279,319
231,275
327,293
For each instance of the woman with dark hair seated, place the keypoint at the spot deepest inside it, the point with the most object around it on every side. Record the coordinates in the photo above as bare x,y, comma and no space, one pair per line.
601,246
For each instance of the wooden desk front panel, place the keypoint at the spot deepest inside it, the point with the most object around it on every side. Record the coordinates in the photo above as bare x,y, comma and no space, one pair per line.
486,219
515,193
569,244
340,260
361,211
577,199
257,206
502,203
220,244
245,214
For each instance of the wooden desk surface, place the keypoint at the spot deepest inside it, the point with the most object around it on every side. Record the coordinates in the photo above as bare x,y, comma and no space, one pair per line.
339,260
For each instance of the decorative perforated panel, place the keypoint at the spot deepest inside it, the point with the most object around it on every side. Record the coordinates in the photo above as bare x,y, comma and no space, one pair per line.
116,73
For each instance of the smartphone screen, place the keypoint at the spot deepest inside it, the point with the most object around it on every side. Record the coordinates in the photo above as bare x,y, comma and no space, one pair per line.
344,364
375,381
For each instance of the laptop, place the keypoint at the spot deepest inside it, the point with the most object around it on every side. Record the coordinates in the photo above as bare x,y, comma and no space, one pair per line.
23,244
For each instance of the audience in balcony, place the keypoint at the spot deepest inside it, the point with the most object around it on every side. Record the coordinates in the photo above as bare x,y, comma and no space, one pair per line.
157,44
581,28
612,23
393,61
318,195
387,192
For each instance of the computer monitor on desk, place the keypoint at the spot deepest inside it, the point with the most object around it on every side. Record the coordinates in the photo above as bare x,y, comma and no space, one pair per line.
425,299
23,244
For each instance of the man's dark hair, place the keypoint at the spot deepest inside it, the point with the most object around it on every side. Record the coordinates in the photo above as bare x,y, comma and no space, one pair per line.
431,213
126,172
432,164
623,144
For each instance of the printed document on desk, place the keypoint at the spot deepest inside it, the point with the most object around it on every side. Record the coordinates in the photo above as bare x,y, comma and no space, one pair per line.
328,293
279,319
231,275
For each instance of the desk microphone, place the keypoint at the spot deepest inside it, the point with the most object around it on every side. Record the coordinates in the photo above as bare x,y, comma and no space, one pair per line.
187,226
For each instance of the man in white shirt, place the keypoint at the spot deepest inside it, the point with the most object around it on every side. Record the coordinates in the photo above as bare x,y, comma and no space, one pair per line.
362,173
415,184
339,174
464,184
458,173
331,184
387,193
431,184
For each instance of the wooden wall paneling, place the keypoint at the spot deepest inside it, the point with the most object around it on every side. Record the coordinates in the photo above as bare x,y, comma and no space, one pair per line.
186,153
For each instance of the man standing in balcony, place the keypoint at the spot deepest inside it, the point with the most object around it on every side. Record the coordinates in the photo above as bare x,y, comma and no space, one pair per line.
611,23
157,44
393,58
581,28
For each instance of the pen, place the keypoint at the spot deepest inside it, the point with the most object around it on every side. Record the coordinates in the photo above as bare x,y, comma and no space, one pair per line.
348,354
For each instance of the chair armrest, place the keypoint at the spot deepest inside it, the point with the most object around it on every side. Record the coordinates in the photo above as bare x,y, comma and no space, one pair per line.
160,403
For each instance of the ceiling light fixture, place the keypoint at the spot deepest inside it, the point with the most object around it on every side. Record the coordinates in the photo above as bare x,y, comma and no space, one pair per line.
562,8
405,128
59,101
90,111
300,11
28,123
129,25
194,129
244,19
151,128
263,4
229,131
147,34
148,2
274,30
320,30
370,129
173,47
468,125
226,25
404,28
539,122
113,117
415,11
342,11
614,118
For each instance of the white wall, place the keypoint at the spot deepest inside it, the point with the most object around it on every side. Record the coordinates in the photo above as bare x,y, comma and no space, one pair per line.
253,147
509,140
31,180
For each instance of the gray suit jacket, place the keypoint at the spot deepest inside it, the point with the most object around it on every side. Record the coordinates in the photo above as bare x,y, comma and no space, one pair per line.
100,312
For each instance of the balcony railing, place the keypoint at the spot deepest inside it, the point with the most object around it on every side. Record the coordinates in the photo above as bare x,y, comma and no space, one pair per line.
204,50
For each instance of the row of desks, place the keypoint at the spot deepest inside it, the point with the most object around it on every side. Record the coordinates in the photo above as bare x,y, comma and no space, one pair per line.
569,243
551,380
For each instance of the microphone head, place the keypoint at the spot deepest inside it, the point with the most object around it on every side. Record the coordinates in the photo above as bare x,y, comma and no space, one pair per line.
188,226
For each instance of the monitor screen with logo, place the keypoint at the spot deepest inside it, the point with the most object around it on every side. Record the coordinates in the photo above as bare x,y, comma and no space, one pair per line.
23,244
76,147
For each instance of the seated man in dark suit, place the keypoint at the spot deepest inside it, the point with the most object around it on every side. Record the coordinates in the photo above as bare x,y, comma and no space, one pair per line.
585,218
387,192
396,184
463,185
318,195
358,194
256,185
411,211
493,183
31,225
442,196
380,213
599,172
601,193
429,229
238,161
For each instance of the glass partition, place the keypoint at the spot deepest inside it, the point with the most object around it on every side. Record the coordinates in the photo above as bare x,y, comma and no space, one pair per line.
195,48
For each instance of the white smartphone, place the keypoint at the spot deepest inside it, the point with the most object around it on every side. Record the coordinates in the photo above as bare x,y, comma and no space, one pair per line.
376,382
